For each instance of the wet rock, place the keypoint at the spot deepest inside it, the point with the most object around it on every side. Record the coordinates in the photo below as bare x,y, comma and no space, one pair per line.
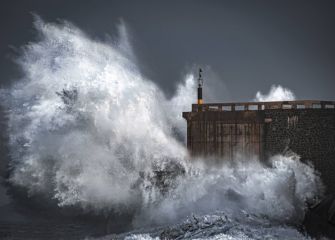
320,219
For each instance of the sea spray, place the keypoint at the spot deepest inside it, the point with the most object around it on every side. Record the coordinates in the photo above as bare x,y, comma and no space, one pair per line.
278,192
276,93
87,129
83,122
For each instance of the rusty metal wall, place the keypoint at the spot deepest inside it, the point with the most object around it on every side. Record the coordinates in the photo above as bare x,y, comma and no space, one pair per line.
228,135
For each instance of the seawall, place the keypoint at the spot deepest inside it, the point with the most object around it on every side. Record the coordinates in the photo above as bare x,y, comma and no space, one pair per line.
264,129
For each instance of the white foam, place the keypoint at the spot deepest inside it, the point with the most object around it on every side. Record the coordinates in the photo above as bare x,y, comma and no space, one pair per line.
276,93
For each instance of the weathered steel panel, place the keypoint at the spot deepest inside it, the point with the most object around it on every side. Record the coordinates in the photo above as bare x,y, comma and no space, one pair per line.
225,134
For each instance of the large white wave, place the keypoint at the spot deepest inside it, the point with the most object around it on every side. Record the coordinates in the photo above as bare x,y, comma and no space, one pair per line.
83,122
276,93
87,129
279,192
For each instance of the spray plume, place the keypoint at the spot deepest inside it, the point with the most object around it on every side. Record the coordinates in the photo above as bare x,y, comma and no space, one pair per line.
276,93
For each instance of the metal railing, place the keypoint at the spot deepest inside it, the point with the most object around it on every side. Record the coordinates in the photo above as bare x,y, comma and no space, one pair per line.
258,106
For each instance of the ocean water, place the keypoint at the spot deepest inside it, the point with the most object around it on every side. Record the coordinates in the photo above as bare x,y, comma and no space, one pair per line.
45,230
88,130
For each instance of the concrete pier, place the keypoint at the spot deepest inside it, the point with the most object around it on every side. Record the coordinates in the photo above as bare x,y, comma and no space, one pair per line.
263,129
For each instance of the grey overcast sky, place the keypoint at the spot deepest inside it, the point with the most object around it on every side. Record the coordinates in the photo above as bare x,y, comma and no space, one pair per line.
250,45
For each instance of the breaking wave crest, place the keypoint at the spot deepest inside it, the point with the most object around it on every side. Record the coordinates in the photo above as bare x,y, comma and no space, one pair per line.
87,129
84,122
278,192
276,93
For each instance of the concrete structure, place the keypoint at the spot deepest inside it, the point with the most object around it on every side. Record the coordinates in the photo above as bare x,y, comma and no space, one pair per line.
263,129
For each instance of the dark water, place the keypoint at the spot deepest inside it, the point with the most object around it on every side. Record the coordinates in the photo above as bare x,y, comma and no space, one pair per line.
48,230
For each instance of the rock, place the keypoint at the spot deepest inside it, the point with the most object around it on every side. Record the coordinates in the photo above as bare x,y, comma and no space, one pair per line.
320,219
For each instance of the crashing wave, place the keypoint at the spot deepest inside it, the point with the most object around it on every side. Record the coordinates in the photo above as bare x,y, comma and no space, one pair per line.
217,226
87,129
